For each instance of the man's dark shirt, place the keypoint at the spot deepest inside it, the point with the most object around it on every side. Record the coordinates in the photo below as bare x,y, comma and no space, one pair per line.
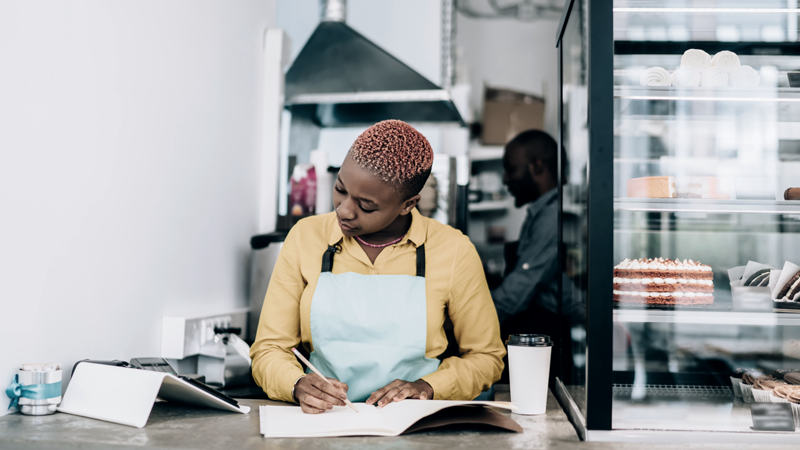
534,275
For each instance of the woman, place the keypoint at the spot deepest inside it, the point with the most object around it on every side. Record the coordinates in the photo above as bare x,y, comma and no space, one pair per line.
366,290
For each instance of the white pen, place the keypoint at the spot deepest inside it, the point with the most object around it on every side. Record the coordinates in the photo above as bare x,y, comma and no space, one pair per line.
314,369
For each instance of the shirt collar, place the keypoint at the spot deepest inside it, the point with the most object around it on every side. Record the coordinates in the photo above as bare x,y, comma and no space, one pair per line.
336,232
537,205
417,233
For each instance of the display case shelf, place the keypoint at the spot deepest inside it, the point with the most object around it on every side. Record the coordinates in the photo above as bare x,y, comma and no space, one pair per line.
757,48
707,206
789,95
706,317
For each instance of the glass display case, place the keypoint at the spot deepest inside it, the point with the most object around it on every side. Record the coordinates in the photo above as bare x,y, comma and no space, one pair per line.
680,135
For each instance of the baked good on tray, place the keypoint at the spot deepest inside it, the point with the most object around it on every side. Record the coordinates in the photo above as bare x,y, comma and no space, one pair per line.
780,373
792,378
676,187
781,393
663,282
791,288
759,278
736,380
764,387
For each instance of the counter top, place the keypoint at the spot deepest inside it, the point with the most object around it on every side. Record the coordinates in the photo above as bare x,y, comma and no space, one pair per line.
173,426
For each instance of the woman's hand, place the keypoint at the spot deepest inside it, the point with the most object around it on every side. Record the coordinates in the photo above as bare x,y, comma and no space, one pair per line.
316,395
398,390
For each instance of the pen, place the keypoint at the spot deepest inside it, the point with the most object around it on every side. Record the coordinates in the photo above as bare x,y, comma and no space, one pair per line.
310,366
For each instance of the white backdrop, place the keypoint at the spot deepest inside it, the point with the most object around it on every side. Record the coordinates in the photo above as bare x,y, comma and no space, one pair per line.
128,171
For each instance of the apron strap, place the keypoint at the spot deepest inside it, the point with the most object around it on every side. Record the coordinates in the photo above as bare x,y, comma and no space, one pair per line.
421,261
327,257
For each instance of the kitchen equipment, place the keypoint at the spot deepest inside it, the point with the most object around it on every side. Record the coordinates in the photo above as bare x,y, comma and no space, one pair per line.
225,360
342,78
266,248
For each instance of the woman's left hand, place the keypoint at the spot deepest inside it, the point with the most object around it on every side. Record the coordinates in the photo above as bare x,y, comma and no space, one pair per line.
398,390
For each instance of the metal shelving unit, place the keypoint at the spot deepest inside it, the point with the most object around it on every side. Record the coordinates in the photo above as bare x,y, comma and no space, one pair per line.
490,205
485,152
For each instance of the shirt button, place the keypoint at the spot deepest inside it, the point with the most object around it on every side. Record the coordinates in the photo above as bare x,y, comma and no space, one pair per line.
526,266
374,272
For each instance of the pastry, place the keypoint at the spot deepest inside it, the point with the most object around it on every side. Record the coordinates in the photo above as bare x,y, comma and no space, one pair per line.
784,391
792,194
763,388
768,383
791,288
715,77
676,187
697,59
726,60
745,77
792,378
738,373
760,278
780,373
663,282
750,377
686,77
655,76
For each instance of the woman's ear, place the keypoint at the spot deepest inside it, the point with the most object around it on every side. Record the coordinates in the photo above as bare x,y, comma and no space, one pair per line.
410,204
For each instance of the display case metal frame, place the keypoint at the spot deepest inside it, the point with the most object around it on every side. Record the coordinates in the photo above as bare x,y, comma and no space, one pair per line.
600,202
596,424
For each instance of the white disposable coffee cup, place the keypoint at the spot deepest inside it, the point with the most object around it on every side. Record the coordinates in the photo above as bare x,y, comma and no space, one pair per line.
528,371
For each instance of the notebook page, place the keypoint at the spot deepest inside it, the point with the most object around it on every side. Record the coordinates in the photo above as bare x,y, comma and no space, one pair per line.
291,421
405,413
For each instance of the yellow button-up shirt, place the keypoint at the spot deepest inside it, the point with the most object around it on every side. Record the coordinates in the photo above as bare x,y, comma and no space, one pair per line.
454,285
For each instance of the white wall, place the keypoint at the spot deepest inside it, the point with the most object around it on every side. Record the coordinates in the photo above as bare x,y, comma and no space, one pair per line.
128,171
511,54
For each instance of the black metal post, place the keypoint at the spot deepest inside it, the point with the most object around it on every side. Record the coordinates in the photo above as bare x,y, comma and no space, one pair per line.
600,250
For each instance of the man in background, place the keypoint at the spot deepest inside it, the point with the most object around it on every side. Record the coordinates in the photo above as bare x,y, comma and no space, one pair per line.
530,287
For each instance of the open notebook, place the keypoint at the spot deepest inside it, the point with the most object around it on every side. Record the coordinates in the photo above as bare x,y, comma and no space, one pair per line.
391,420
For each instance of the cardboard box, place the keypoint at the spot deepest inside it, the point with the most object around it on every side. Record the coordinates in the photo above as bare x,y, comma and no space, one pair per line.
507,113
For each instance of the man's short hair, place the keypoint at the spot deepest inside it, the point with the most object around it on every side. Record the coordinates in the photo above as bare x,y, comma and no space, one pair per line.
538,145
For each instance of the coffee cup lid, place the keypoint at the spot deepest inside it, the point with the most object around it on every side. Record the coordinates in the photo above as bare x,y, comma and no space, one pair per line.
530,340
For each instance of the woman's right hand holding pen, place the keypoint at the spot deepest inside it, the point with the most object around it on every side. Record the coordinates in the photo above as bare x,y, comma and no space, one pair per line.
316,395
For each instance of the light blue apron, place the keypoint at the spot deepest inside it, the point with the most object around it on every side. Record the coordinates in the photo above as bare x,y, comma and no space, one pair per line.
368,330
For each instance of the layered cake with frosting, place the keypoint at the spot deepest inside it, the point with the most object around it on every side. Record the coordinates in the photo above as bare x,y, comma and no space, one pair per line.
663,282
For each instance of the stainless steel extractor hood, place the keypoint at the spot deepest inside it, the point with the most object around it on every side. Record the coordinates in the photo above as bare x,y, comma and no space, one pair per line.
340,78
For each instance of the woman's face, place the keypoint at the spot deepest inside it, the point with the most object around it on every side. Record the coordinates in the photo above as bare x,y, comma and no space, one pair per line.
364,204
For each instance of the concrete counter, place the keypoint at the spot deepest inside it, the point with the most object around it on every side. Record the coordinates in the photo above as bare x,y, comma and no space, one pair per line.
173,426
